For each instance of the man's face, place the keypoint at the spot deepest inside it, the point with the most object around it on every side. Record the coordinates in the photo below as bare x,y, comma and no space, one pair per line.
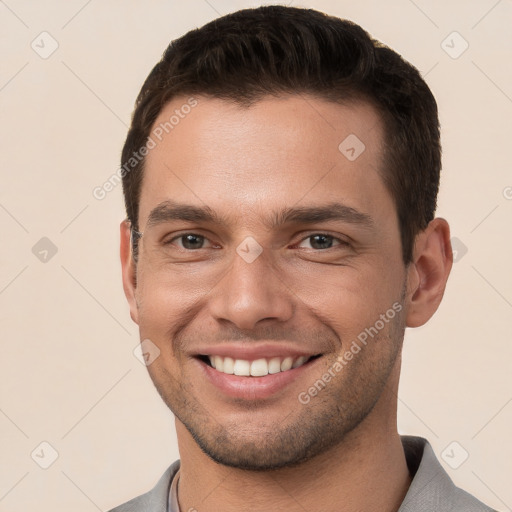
298,256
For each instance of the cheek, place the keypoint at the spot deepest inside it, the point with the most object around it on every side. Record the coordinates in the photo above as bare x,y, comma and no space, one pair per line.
167,292
161,305
349,298
168,305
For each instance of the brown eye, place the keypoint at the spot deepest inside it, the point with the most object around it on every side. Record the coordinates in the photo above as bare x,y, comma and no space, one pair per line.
189,241
321,241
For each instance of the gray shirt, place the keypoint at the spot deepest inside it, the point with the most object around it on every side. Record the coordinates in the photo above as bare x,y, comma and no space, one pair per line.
431,490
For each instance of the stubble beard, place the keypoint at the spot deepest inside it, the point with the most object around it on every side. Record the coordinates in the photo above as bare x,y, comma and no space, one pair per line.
302,431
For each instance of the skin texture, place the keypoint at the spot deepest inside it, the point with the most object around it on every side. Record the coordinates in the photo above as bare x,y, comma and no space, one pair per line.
245,163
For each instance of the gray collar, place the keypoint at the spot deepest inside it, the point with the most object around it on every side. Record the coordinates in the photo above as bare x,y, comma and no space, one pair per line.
431,490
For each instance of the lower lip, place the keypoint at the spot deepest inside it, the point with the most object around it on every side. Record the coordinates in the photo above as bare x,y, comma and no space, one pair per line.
252,388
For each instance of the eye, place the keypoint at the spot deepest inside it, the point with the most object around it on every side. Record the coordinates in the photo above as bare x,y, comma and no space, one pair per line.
321,241
189,241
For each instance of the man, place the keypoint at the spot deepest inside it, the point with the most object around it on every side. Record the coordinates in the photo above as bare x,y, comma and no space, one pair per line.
280,178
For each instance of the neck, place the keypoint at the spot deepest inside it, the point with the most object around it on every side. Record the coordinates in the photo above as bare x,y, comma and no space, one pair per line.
366,471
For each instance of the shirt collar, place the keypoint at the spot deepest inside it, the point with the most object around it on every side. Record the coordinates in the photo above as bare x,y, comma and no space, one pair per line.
431,487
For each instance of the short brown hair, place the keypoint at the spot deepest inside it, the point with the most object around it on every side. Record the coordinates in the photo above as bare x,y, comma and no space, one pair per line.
274,50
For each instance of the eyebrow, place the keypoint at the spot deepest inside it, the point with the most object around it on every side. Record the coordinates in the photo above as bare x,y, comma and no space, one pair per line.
170,210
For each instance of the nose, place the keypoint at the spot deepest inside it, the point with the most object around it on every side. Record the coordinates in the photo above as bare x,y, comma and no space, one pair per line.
250,293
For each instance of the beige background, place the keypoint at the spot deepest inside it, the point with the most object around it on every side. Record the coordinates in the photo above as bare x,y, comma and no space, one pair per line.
68,372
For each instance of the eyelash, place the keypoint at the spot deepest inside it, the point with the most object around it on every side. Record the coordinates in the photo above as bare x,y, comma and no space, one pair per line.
341,242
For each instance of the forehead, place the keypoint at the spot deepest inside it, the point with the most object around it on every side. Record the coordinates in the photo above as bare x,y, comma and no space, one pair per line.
294,149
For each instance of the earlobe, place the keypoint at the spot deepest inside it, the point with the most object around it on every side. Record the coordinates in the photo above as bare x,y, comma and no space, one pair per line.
129,269
429,271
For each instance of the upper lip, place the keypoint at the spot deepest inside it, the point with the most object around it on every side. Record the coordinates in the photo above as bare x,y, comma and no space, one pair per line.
253,352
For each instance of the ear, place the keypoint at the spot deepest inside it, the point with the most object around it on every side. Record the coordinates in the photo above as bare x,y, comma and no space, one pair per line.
428,272
129,269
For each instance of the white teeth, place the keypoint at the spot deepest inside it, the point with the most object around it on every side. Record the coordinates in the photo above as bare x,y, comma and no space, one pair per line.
259,368
219,363
229,365
256,368
299,362
286,364
274,365
242,368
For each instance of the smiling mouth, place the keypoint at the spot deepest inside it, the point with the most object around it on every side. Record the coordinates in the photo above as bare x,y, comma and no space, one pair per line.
256,368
